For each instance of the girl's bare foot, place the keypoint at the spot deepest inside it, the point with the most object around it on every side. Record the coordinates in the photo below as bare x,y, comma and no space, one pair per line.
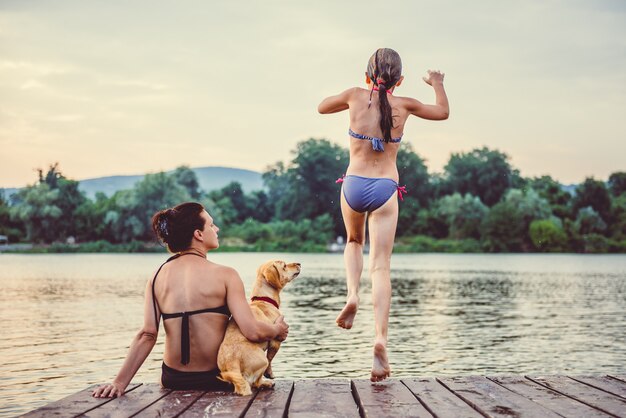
346,317
380,369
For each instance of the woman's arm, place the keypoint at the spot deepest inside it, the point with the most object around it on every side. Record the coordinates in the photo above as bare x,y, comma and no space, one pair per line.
250,327
140,348
438,111
334,104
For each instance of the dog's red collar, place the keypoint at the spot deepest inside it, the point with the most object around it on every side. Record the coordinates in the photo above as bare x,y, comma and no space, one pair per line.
265,299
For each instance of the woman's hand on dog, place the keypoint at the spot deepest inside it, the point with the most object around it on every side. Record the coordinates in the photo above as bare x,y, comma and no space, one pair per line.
282,328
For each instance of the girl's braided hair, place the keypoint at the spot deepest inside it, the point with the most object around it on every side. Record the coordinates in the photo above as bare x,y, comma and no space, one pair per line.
384,68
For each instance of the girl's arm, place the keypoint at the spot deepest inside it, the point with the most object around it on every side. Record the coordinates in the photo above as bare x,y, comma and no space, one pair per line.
250,327
438,111
140,348
334,104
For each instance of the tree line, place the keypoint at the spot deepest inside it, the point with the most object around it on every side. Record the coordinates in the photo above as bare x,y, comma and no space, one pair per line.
479,203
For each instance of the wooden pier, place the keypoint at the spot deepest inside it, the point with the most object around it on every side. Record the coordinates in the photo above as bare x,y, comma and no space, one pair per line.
441,397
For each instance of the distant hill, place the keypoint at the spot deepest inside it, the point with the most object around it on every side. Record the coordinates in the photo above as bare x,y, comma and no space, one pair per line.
210,178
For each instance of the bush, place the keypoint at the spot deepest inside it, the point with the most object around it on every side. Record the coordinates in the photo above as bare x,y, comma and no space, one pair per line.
302,236
547,236
426,244
595,243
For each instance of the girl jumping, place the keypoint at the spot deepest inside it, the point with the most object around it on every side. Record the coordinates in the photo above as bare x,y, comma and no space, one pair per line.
377,119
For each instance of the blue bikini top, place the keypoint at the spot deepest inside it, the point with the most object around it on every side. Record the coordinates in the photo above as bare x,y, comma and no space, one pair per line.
377,143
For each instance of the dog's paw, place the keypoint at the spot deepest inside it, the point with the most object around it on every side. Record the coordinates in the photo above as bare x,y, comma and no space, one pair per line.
244,391
266,384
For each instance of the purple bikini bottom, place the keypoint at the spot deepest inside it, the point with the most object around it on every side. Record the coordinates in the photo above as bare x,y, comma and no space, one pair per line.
366,194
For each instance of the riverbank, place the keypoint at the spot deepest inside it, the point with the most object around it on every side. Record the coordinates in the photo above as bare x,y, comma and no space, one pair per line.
404,245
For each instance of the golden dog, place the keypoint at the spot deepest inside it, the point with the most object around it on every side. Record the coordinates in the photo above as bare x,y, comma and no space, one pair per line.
241,361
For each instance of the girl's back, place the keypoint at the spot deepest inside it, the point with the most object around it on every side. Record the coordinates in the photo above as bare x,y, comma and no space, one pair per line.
364,120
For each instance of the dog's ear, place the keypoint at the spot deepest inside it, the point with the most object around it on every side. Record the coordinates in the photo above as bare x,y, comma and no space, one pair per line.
272,276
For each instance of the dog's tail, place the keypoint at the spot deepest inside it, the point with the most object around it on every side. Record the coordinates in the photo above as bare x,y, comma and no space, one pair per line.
242,387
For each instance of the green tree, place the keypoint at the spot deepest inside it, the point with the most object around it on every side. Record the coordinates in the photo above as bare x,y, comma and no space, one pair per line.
595,243
48,208
553,192
12,228
503,229
130,216
506,229
463,215
306,188
618,217
589,221
414,175
38,211
277,183
481,172
429,222
261,208
617,183
593,193
187,178
233,204
547,235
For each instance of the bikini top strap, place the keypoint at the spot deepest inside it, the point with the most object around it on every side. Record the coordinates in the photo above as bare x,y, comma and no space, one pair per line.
154,301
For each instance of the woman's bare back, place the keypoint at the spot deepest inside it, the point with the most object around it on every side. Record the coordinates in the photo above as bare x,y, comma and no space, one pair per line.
189,284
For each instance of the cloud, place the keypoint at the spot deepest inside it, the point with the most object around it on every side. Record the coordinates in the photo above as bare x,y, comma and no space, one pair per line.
34,68
241,84
138,84
32,84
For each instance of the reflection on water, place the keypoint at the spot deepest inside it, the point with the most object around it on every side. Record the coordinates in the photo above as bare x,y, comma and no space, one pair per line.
68,319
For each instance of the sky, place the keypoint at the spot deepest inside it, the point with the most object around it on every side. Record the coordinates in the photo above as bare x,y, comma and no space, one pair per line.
131,87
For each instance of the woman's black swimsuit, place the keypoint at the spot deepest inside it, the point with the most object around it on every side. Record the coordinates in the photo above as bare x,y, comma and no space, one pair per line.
179,380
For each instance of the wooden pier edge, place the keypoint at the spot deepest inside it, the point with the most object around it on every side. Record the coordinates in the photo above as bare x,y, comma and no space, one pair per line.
442,397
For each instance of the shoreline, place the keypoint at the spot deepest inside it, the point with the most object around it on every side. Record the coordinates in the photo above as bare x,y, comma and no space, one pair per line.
441,246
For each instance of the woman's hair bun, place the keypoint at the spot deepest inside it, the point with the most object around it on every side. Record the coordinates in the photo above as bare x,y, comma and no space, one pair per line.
165,219
175,226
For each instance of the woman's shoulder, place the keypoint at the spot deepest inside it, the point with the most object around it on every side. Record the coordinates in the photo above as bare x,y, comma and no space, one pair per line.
225,272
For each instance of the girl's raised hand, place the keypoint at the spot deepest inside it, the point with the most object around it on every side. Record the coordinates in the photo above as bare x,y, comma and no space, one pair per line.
434,77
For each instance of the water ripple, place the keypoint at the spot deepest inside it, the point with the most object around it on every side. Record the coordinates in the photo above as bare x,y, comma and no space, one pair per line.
450,315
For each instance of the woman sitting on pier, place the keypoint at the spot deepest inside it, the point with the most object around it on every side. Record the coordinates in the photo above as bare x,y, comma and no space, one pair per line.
195,297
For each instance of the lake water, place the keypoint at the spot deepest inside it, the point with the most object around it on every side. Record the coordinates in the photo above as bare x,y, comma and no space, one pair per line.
67,320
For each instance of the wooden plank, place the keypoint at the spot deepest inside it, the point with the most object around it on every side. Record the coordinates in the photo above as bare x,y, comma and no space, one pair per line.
171,405
591,396
438,400
492,400
387,399
322,397
75,404
605,383
218,403
620,377
272,402
552,400
131,403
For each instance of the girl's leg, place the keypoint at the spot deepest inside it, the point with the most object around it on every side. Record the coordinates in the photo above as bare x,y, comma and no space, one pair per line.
353,260
382,230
